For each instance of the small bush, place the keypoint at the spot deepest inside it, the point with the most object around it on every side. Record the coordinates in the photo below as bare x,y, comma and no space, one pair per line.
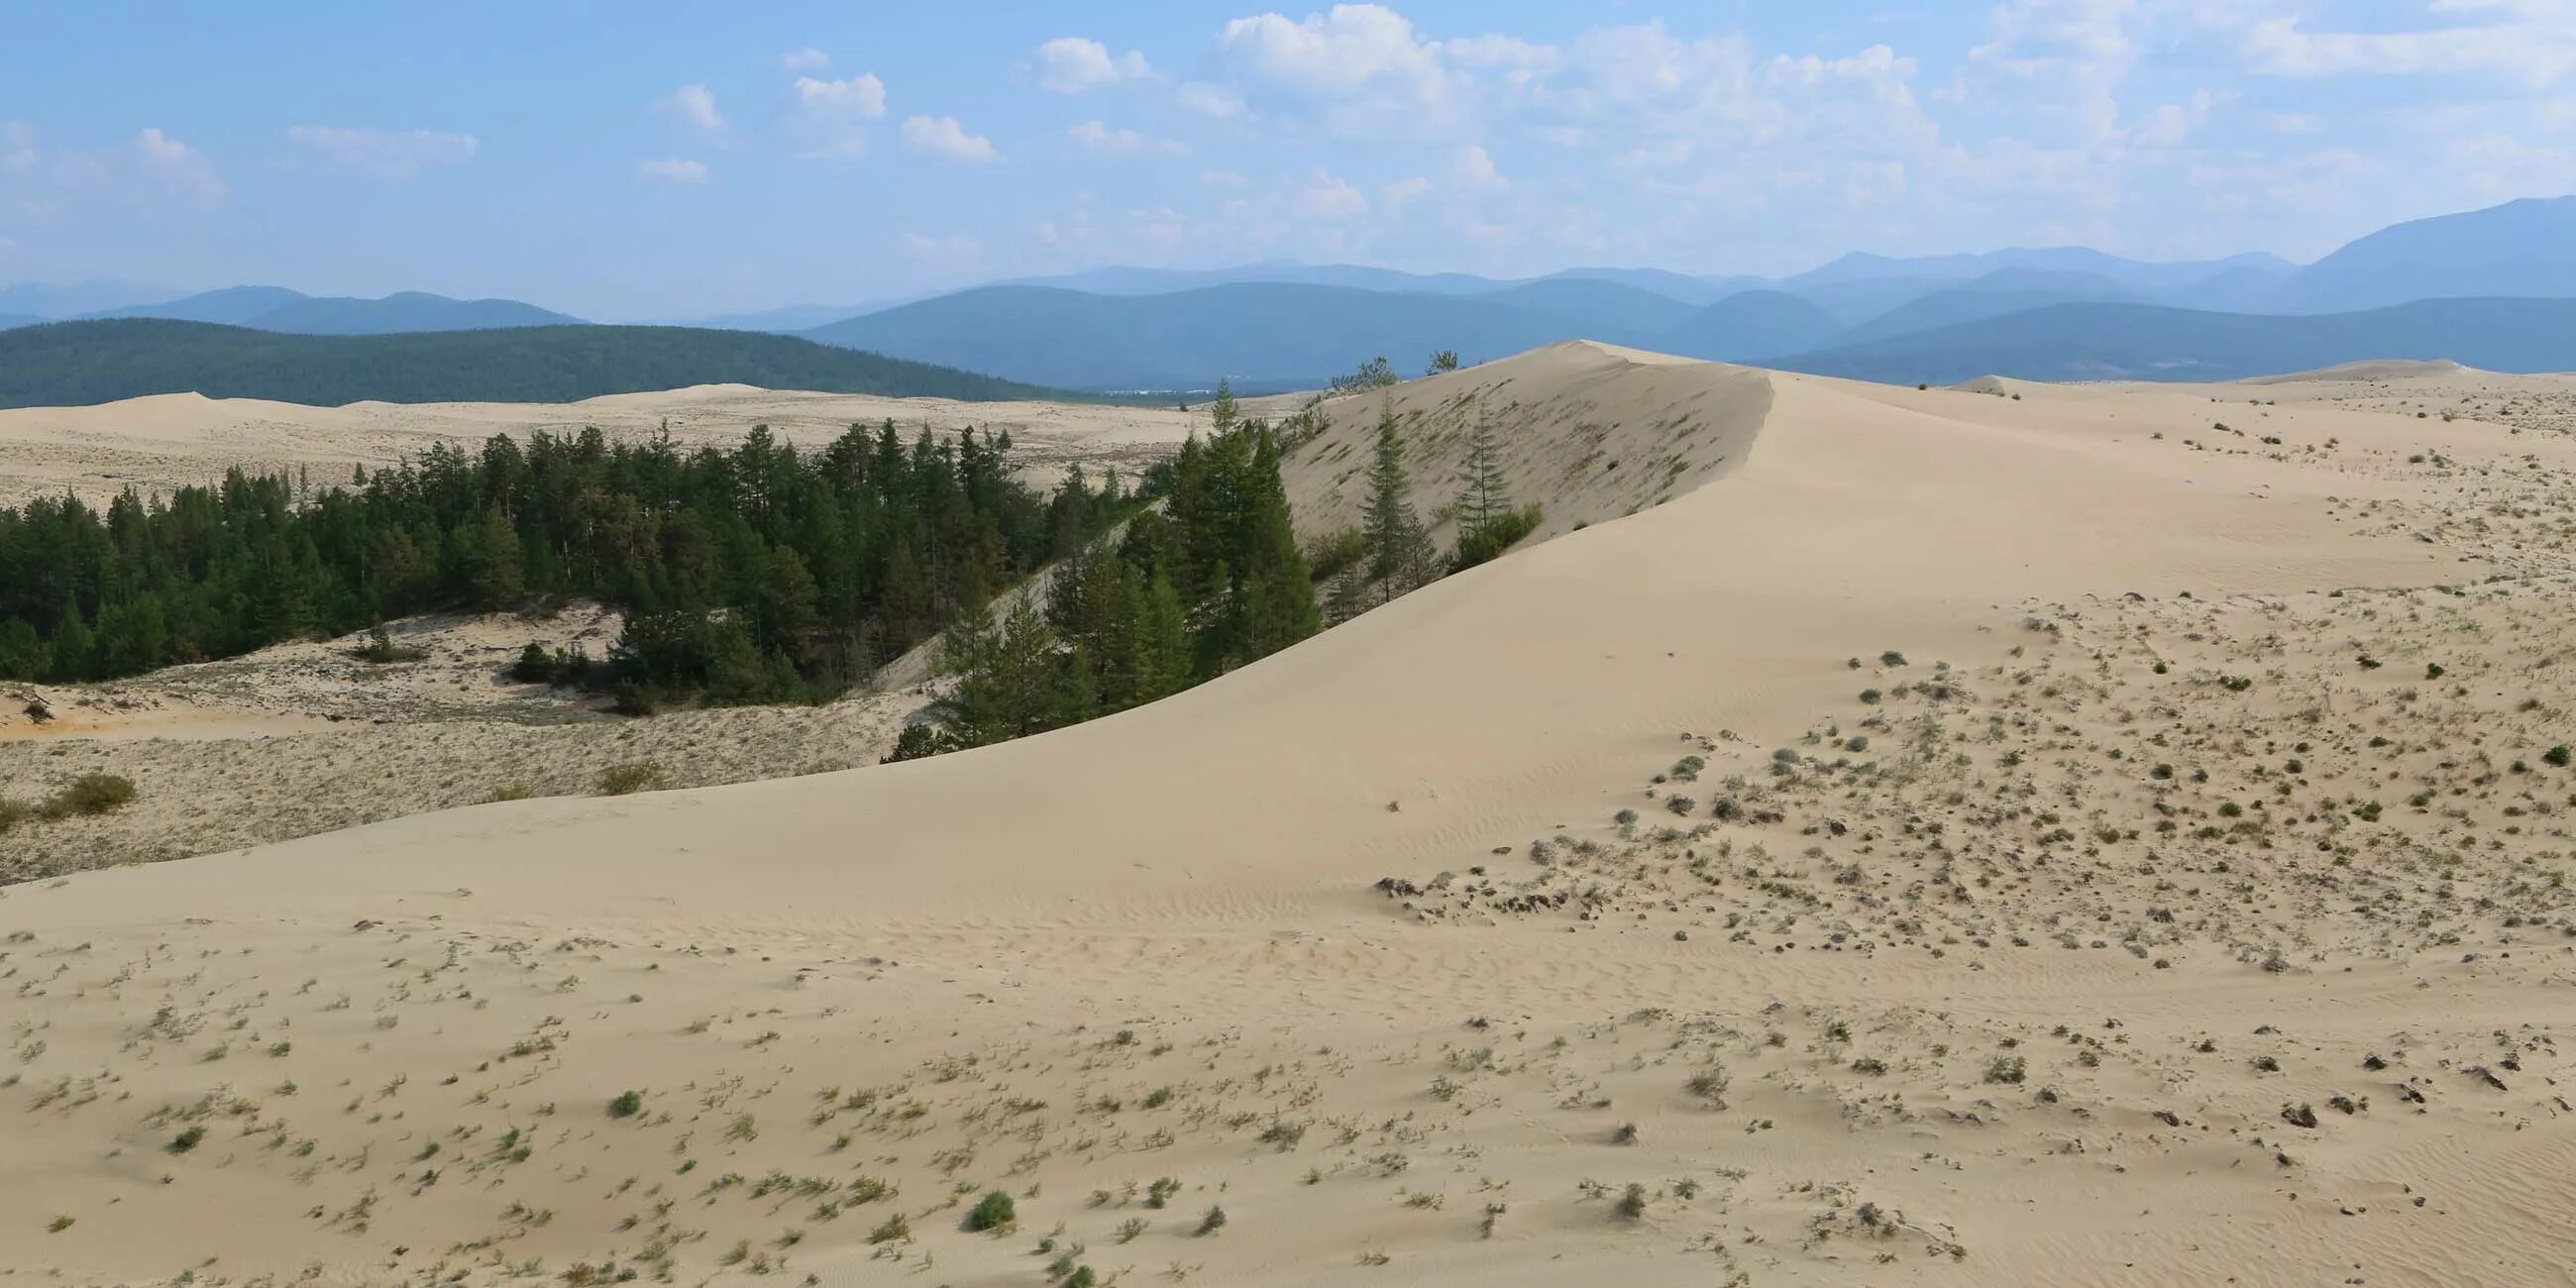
2556,756
1330,553
187,1140
995,1211
90,794
1212,1222
535,665
626,1105
635,776
380,649
1632,1203
2007,1068
1491,540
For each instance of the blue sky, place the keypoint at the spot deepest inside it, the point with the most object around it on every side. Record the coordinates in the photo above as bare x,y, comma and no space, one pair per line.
638,159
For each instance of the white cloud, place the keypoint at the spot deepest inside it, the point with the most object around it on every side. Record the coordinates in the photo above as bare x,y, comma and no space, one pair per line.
696,104
1338,52
177,163
835,113
806,59
386,154
1329,197
673,170
2532,42
1396,196
862,96
1473,168
1095,136
1209,100
1072,64
943,136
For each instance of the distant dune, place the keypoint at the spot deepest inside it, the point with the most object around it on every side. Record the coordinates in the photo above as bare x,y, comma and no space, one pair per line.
1877,836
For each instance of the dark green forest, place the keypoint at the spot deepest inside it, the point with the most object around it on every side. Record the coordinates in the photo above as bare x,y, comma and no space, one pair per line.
1209,581
77,363
758,574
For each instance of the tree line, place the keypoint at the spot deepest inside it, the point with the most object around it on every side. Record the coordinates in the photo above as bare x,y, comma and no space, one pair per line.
1212,579
762,573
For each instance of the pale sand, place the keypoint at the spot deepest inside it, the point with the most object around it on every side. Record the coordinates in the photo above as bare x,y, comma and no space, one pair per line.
1147,947
163,442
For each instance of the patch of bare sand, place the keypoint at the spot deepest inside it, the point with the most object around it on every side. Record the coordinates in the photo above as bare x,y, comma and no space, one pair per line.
1915,987
164,441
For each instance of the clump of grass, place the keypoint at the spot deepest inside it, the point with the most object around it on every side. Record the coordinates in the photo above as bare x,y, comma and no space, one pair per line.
380,649
2007,1068
634,776
995,1211
1632,1203
1212,1222
626,1105
187,1140
89,794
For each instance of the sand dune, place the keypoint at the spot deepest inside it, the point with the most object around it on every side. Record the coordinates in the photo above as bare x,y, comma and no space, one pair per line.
165,441
1356,946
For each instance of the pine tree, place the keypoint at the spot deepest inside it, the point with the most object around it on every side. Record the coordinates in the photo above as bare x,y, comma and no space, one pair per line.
1399,552
1484,496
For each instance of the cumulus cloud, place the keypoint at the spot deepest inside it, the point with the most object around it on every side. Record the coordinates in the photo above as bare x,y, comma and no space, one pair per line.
673,170
1473,168
806,59
943,136
696,104
1073,64
386,154
2532,42
178,164
1329,197
862,96
1208,99
1096,136
1338,52
833,114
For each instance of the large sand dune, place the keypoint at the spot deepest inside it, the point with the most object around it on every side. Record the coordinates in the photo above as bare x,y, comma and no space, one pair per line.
1937,1002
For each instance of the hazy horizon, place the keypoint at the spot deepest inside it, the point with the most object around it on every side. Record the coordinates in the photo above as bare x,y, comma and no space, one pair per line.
673,163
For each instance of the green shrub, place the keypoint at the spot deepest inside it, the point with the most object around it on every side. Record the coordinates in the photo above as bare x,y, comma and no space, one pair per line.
1330,553
2557,756
535,665
380,649
635,776
1492,539
187,1140
1212,1222
995,1211
90,794
626,1105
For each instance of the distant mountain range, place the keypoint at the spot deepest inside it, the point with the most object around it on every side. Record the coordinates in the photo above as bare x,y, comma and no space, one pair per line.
2050,313
275,308
2155,342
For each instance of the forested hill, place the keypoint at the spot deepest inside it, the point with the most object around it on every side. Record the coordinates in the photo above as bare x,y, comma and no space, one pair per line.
75,363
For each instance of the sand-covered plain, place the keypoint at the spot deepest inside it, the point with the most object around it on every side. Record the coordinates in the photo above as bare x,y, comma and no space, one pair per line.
2019,834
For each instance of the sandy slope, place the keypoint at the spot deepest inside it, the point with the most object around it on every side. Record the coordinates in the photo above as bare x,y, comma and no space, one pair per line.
1935,1001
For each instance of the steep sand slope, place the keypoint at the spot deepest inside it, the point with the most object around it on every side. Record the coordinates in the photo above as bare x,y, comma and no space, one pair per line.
1145,947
